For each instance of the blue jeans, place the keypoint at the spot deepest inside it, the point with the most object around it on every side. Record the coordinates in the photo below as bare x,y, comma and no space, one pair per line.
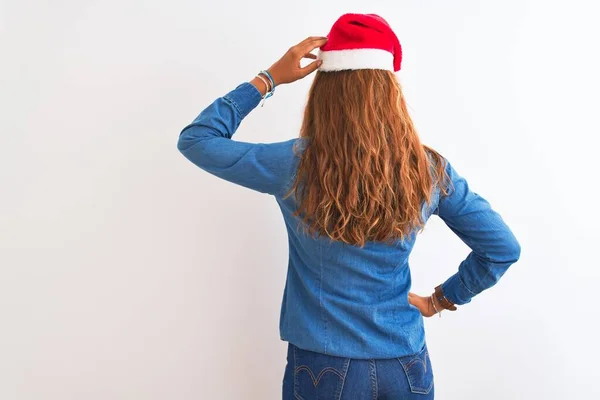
315,376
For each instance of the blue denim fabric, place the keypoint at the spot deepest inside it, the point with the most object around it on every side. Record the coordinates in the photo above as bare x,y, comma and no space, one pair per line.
340,299
313,376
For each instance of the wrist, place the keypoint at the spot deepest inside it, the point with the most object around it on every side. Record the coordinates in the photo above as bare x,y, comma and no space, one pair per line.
436,304
260,85
274,76
439,296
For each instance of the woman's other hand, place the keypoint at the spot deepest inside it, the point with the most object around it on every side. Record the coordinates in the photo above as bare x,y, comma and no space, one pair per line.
287,69
424,304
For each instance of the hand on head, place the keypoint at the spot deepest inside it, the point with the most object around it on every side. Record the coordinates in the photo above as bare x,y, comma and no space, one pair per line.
287,69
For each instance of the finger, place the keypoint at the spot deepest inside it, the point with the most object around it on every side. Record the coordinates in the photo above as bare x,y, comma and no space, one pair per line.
311,45
311,39
310,55
310,68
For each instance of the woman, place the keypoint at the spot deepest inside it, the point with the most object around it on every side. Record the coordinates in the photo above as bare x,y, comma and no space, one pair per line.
354,190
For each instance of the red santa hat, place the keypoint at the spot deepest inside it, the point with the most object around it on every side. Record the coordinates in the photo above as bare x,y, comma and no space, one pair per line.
361,41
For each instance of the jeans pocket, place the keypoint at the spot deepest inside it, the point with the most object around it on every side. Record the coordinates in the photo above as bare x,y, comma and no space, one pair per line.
418,371
318,376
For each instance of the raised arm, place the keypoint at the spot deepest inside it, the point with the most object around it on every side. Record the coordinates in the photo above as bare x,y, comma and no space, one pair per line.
207,143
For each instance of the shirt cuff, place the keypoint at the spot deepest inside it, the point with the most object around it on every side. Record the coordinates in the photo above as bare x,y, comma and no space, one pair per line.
455,290
244,98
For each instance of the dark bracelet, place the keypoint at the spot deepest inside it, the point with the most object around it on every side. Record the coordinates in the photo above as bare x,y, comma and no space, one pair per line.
444,302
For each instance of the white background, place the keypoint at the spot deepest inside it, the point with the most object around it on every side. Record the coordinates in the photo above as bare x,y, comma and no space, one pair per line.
128,273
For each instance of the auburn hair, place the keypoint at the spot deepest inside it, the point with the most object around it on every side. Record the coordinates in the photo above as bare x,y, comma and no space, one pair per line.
364,174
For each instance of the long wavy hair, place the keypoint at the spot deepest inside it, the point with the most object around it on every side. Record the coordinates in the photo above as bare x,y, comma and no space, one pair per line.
364,174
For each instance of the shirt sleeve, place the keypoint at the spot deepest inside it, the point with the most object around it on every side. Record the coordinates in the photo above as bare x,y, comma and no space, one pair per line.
207,143
494,247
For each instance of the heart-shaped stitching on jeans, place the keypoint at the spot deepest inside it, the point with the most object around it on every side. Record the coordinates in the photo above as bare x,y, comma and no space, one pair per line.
317,379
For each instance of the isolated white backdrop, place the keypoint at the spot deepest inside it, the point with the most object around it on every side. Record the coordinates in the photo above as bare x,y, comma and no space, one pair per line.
128,273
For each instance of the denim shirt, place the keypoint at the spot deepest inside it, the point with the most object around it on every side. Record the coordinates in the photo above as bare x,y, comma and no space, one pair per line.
341,299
